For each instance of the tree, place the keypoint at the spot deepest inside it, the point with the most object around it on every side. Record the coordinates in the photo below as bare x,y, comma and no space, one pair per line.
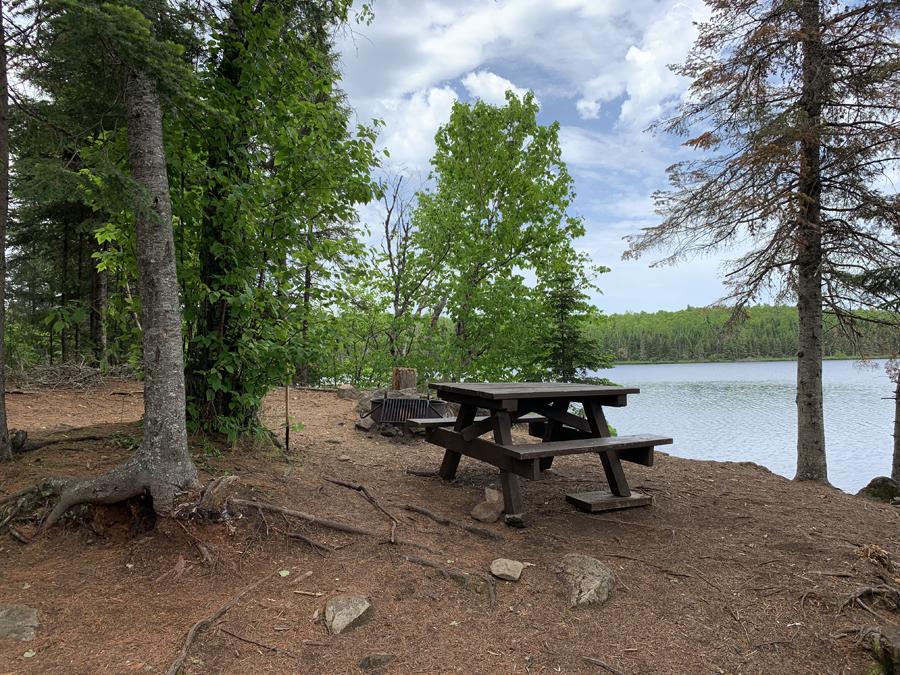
565,350
5,447
498,208
126,35
796,104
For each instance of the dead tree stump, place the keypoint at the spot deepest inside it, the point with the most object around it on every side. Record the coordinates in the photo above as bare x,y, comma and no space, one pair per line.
404,378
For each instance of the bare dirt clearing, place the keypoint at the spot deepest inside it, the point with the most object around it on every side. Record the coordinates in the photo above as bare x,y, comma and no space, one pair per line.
734,570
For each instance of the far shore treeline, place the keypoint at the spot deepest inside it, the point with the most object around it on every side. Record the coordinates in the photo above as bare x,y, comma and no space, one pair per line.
698,334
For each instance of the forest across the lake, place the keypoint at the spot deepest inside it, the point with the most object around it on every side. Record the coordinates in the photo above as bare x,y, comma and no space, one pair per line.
698,334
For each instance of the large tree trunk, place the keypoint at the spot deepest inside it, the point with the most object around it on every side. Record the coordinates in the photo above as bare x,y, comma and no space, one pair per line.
895,467
162,465
5,447
811,463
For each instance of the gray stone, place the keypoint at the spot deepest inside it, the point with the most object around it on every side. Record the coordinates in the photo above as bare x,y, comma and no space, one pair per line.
881,489
375,660
347,612
588,580
18,622
365,423
503,568
364,405
490,510
348,392
390,431
885,646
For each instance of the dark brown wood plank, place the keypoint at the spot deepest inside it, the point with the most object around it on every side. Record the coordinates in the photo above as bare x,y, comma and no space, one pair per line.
479,427
615,476
596,419
583,445
559,413
593,502
484,450
449,465
466,416
523,390
502,428
513,504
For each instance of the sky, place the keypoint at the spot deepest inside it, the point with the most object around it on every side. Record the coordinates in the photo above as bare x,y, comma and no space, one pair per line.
599,67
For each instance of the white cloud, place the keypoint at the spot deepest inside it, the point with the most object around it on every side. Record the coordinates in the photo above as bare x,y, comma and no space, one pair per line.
490,88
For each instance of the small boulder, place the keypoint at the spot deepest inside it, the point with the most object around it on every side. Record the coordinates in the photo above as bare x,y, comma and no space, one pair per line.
375,660
18,622
490,510
881,489
885,645
365,423
347,612
348,392
588,580
510,570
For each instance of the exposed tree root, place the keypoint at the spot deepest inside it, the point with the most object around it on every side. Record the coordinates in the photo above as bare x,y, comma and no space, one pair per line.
602,664
204,623
20,493
474,529
341,527
362,489
21,444
462,577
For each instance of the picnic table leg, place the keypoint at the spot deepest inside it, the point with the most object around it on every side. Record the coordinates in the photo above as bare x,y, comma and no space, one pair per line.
449,465
545,463
513,505
615,476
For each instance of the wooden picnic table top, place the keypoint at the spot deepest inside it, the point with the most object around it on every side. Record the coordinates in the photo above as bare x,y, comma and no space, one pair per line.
522,390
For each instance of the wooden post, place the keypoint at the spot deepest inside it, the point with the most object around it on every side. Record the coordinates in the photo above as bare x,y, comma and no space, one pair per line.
404,378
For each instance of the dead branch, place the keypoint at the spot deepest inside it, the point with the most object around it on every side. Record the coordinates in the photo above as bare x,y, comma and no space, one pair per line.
260,644
461,577
778,642
204,623
647,562
18,536
889,593
14,510
296,535
422,474
474,529
362,489
24,492
352,529
603,664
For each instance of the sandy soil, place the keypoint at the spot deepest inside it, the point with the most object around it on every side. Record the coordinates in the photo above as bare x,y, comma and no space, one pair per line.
733,570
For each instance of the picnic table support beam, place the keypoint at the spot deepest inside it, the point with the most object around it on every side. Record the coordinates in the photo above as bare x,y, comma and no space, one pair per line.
615,476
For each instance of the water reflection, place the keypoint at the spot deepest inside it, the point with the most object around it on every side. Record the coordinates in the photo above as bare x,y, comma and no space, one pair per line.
746,412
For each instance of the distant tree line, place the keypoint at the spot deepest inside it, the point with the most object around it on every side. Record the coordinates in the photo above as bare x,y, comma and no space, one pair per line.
709,334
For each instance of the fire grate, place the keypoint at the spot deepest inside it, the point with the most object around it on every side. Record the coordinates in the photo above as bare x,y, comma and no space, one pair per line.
398,410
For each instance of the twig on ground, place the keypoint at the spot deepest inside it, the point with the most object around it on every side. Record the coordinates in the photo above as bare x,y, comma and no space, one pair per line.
461,577
362,489
316,545
474,529
352,529
14,510
778,642
260,644
647,562
24,492
422,474
201,545
204,623
18,536
603,664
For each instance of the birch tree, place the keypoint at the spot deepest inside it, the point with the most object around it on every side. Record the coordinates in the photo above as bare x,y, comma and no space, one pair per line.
795,107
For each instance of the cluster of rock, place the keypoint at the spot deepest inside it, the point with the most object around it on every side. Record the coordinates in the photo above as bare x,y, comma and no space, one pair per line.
364,407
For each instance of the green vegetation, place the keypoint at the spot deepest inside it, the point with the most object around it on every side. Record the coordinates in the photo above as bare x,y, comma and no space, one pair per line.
706,334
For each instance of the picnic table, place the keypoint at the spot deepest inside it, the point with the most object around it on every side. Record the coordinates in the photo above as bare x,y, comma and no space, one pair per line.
544,406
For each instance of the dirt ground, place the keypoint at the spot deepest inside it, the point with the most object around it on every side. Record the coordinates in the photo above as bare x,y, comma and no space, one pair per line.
733,570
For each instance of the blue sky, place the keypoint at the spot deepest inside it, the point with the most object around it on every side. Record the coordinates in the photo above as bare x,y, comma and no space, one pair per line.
596,66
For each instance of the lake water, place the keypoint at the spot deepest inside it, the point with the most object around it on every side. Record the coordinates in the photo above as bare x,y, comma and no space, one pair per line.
739,412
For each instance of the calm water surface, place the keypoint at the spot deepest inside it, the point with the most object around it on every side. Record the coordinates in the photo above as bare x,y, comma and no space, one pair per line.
739,412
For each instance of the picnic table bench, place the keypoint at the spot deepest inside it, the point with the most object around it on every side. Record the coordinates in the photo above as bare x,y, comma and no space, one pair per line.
544,406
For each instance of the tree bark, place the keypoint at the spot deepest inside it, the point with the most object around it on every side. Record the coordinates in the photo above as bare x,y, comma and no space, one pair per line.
162,465
895,467
5,446
811,464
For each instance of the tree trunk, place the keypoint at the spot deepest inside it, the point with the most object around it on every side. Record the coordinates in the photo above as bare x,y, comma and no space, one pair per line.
895,468
98,315
5,447
162,465
811,464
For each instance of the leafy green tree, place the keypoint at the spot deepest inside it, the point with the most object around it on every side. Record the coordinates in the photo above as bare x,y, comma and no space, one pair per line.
498,208
796,105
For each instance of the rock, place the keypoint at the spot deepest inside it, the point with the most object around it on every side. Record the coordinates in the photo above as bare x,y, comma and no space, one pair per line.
490,510
344,458
881,489
390,431
348,392
503,568
886,647
347,612
375,660
365,423
18,622
588,580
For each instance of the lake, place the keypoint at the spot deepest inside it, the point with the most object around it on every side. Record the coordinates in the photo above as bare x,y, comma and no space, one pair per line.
736,412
